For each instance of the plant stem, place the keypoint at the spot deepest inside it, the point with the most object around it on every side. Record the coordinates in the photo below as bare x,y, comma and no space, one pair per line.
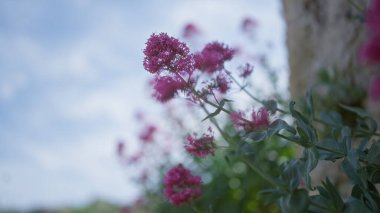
195,208
251,95
329,150
354,4
317,146
357,130
258,171
215,122
244,89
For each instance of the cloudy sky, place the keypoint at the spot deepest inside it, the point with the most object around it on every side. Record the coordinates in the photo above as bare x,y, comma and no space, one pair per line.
71,79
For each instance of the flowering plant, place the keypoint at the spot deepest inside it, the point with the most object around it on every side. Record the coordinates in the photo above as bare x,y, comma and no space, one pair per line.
346,136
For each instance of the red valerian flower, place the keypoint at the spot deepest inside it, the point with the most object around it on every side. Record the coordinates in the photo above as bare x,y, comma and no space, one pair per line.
120,149
163,52
147,135
374,89
259,119
181,187
190,30
248,25
200,147
370,50
165,87
212,57
246,70
223,83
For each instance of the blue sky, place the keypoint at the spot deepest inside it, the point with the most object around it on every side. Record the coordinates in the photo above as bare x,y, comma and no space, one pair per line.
71,79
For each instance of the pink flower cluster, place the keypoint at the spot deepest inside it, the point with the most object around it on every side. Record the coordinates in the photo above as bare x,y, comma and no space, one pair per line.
190,31
165,87
374,89
163,52
370,51
202,146
212,57
148,133
248,25
259,119
222,83
181,187
246,70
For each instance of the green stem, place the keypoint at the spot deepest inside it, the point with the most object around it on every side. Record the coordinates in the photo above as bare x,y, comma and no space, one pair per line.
215,122
329,150
354,4
195,208
317,146
244,89
251,95
258,171
357,130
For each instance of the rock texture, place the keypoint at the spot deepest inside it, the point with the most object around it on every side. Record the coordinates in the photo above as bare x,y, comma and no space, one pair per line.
322,34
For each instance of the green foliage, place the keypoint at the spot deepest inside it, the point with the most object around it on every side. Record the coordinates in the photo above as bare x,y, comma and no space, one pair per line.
231,185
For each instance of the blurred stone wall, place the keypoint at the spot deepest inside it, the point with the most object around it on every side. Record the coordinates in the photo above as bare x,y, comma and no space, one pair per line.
320,34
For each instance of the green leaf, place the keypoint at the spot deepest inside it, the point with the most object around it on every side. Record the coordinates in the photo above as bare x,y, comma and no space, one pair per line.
245,149
368,195
351,172
373,156
304,128
299,201
358,111
271,195
323,76
346,137
271,105
374,176
278,125
309,104
331,117
321,202
217,111
257,136
333,145
310,161
354,205
333,195
291,174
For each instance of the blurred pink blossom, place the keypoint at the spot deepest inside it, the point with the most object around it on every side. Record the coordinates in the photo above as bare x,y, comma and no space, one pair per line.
181,187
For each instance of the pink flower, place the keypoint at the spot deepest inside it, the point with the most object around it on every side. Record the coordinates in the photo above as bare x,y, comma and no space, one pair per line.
200,147
120,149
212,57
259,120
223,84
374,89
136,157
147,135
165,87
370,50
163,52
373,17
181,187
246,70
248,25
238,119
190,31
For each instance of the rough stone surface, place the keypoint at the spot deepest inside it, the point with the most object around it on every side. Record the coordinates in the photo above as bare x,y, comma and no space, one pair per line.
323,34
